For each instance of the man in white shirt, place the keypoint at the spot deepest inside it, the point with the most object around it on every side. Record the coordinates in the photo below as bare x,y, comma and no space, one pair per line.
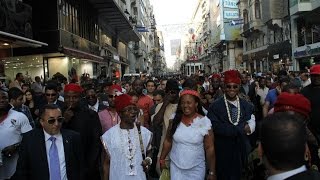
283,147
305,79
12,125
50,153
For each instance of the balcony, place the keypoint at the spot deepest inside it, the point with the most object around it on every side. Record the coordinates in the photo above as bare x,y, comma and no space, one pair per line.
299,6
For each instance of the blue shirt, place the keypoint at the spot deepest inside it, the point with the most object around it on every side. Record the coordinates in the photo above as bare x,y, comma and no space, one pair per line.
272,97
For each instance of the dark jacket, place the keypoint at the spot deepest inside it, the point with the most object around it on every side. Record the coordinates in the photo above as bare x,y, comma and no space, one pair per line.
86,122
33,162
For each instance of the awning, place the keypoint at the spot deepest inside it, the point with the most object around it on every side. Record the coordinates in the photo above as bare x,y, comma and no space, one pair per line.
110,13
81,54
15,41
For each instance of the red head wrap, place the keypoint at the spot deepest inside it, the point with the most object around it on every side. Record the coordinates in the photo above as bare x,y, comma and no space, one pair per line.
315,69
122,101
292,102
73,87
191,92
117,87
232,76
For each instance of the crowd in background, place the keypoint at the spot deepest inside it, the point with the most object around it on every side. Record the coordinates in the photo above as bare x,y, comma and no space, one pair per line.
202,126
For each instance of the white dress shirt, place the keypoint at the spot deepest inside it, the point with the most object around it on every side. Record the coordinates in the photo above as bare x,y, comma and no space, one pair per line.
60,147
94,107
287,174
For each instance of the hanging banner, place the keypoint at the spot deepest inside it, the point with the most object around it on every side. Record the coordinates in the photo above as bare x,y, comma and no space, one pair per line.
230,4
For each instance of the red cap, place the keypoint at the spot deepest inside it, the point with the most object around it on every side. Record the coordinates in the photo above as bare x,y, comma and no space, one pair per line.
117,87
232,76
215,76
73,87
292,102
122,101
315,69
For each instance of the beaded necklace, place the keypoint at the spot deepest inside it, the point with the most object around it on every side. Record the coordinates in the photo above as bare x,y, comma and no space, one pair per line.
129,150
228,110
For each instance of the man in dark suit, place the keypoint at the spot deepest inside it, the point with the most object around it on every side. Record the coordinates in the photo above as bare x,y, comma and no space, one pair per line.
283,147
86,122
50,153
91,100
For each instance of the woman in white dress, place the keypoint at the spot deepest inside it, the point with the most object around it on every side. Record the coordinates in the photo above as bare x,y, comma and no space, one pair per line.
189,141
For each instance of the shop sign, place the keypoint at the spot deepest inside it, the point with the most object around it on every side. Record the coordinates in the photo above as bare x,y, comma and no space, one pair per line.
116,57
230,4
232,14
276,56
307,52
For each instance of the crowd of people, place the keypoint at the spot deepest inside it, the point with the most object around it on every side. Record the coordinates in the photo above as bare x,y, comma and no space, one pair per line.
226,126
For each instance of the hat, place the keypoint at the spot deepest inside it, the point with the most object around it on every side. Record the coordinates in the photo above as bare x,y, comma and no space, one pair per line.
315,69
216,76
73,87
122,101
292,102
232,76
117,87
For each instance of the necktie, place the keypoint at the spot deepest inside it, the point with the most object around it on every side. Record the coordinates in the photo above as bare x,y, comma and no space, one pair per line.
54,161
234,113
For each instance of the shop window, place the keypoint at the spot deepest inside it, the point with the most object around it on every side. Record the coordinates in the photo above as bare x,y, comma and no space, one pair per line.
257,9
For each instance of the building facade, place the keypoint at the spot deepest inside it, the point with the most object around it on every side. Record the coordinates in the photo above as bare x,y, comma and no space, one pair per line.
305,32
266,35
84,38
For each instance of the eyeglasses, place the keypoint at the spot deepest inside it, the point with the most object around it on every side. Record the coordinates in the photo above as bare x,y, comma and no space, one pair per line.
112,96
131,109
53,120
51,95
232,87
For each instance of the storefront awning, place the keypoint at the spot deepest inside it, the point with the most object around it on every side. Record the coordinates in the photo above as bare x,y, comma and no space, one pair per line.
9,40
110,13
81,54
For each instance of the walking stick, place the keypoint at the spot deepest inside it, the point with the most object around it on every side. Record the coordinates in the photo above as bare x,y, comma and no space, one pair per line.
142,146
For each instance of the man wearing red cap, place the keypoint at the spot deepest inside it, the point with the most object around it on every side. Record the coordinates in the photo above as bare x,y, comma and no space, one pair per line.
127,145
232,121
85,121
312,92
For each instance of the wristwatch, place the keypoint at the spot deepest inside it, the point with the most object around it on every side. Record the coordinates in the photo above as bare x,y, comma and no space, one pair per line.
211,173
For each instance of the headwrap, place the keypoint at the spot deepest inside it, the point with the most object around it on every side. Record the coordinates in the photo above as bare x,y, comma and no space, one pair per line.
292,102
232,76
122,101
315,69
117,87
215,75
190,92
73,87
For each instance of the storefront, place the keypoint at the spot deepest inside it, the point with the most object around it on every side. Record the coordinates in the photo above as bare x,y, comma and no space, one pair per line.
307,55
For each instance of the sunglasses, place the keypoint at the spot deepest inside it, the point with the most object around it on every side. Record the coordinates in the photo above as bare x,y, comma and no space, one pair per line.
51,95
232,87
53,120
131,109
112,96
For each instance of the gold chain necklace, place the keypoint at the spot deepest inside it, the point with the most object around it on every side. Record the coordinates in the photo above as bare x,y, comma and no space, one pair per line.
228,110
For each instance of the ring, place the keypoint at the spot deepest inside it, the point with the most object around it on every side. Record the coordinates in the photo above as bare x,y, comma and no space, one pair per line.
9,155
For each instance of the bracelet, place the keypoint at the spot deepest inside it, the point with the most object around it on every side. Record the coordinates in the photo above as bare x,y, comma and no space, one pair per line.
149,160
211,173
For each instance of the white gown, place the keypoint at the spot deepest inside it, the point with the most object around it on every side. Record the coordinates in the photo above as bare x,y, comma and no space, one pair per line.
115,141
187,154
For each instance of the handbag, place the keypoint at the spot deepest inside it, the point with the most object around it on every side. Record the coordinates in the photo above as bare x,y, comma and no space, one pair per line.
165,175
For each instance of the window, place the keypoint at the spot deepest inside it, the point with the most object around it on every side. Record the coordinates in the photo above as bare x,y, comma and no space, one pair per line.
264,40
257,9
245,17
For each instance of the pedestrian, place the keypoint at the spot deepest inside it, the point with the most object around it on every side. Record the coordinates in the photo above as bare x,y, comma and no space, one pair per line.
232,121
189,140
50,153
127,145
282,147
